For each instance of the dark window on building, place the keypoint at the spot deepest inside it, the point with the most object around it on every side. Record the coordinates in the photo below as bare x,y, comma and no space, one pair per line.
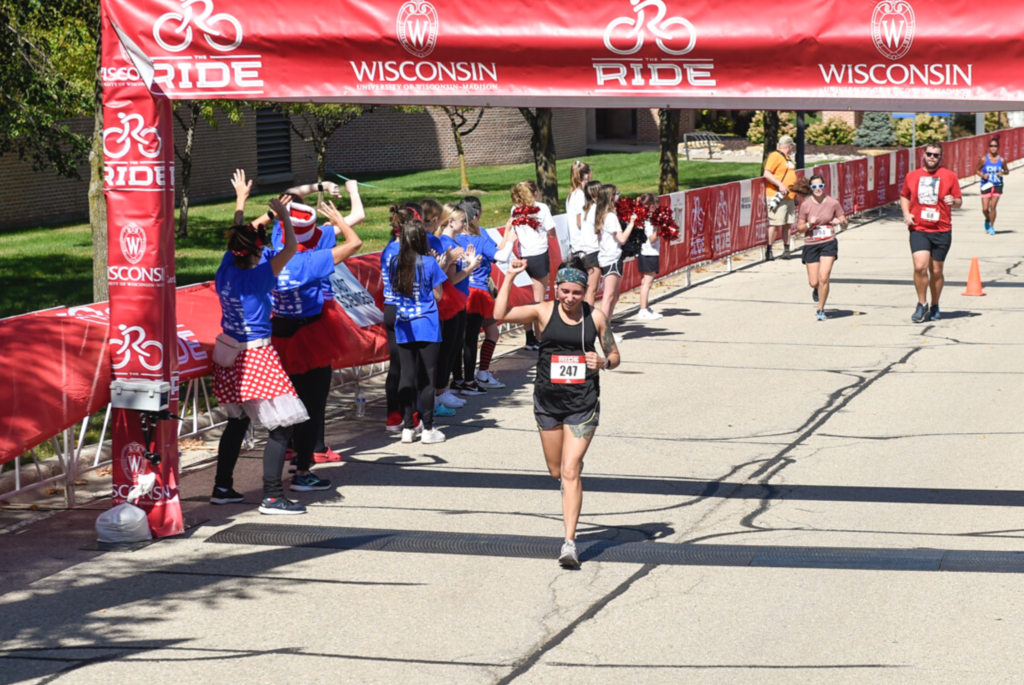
616,124
273,144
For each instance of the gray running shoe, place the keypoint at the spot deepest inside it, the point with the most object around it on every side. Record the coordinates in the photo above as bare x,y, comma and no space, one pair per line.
821,315
921,313
569,558
933,313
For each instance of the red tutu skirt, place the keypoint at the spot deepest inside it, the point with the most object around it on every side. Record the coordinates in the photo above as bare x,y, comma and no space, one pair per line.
316,344
257,385
480,302
452,301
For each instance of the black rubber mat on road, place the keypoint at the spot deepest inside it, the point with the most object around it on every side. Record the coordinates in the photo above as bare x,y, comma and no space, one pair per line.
527,547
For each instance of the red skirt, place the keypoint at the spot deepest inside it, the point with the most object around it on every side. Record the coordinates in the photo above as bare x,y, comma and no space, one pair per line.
452,301
256,375
316,344
480,302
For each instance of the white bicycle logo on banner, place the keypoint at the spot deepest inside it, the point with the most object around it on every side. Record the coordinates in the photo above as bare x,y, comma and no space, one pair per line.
140,346
658,25
205,21
140,134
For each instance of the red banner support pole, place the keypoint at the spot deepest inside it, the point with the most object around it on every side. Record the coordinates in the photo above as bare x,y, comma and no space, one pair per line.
139,188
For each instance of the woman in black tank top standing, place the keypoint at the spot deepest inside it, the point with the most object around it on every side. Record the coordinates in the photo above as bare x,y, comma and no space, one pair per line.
566,400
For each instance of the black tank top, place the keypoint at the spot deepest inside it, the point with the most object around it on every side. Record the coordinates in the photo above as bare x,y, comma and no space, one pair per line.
560,338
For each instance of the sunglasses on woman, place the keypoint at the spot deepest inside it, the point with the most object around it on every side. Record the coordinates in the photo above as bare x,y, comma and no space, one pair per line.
817,186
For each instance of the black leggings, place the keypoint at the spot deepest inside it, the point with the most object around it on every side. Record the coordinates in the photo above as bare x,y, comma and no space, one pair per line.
474,324
312,387
419,365
394,363
273,456
453,332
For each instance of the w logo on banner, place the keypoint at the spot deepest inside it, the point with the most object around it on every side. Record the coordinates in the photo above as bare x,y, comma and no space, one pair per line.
417,27
892,28
133,243
133,461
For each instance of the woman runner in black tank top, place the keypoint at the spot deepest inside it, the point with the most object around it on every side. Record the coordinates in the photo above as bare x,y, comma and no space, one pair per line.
566,392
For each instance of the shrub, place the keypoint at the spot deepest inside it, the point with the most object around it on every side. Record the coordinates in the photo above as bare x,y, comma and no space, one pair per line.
719,125
755,134
831,132
959,131
929,130
876,130
995,121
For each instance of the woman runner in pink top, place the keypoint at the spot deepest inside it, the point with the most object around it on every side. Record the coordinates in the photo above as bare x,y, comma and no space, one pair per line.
818,219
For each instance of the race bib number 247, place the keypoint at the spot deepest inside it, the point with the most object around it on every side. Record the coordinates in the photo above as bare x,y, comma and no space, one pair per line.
568,369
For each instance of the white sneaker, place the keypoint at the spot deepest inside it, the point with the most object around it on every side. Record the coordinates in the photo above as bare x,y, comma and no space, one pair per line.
653,315
408,435
485,379
569,558
432,437
449,400
644,315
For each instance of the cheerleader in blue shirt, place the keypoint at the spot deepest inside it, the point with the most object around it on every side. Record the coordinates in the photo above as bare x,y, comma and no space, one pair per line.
415,281
480,307
248,379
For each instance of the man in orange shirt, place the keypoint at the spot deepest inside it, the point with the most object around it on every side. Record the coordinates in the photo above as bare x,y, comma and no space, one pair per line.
780,174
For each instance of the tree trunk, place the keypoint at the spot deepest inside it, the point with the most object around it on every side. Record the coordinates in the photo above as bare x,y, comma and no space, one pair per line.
186,169
771,134
321,165
542,142
668,135
97,201
463,174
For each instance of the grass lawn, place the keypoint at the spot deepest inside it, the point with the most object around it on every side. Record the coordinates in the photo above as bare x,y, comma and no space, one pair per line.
41,268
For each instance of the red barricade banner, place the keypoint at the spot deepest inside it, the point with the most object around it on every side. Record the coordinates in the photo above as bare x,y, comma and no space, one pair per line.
698,225
872,55
724,218
882,169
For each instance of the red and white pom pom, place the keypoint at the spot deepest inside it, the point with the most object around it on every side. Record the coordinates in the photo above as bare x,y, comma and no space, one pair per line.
627,207
524,216
664,223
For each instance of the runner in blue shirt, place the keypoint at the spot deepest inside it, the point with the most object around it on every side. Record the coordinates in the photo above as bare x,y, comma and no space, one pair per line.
248,379
991,169
415,279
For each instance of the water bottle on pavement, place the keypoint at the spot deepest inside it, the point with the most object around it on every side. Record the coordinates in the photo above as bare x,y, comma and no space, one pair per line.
360,402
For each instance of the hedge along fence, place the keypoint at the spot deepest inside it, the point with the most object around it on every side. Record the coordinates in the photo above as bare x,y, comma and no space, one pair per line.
56,369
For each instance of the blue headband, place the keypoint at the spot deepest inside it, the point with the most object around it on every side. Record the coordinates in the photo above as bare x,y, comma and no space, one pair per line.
568,274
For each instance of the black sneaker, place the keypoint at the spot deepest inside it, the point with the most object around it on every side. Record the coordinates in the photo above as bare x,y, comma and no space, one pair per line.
225,496
309,482
455,387
281,506
933,313
786,254
768,256
921,313
814,294
471,388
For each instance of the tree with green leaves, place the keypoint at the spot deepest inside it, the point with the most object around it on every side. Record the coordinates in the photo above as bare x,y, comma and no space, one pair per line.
316,123
668,136
542,142
463,123
771,134
876,130
188,115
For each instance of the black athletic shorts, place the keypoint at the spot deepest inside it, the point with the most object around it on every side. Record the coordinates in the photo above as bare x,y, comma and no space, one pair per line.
538,267
547,420
814,252
936,243
994,190
648,264
589,260
613,269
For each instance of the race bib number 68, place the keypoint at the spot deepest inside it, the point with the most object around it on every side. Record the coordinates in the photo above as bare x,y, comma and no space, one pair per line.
568,369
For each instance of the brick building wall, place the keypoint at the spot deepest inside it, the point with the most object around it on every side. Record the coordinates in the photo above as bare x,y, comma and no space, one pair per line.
382,141
647,121
852,118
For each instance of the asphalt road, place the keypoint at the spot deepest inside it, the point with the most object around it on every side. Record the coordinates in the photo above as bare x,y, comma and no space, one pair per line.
770,499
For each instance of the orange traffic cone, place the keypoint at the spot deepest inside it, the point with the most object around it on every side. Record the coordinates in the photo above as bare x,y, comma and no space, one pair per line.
974,281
